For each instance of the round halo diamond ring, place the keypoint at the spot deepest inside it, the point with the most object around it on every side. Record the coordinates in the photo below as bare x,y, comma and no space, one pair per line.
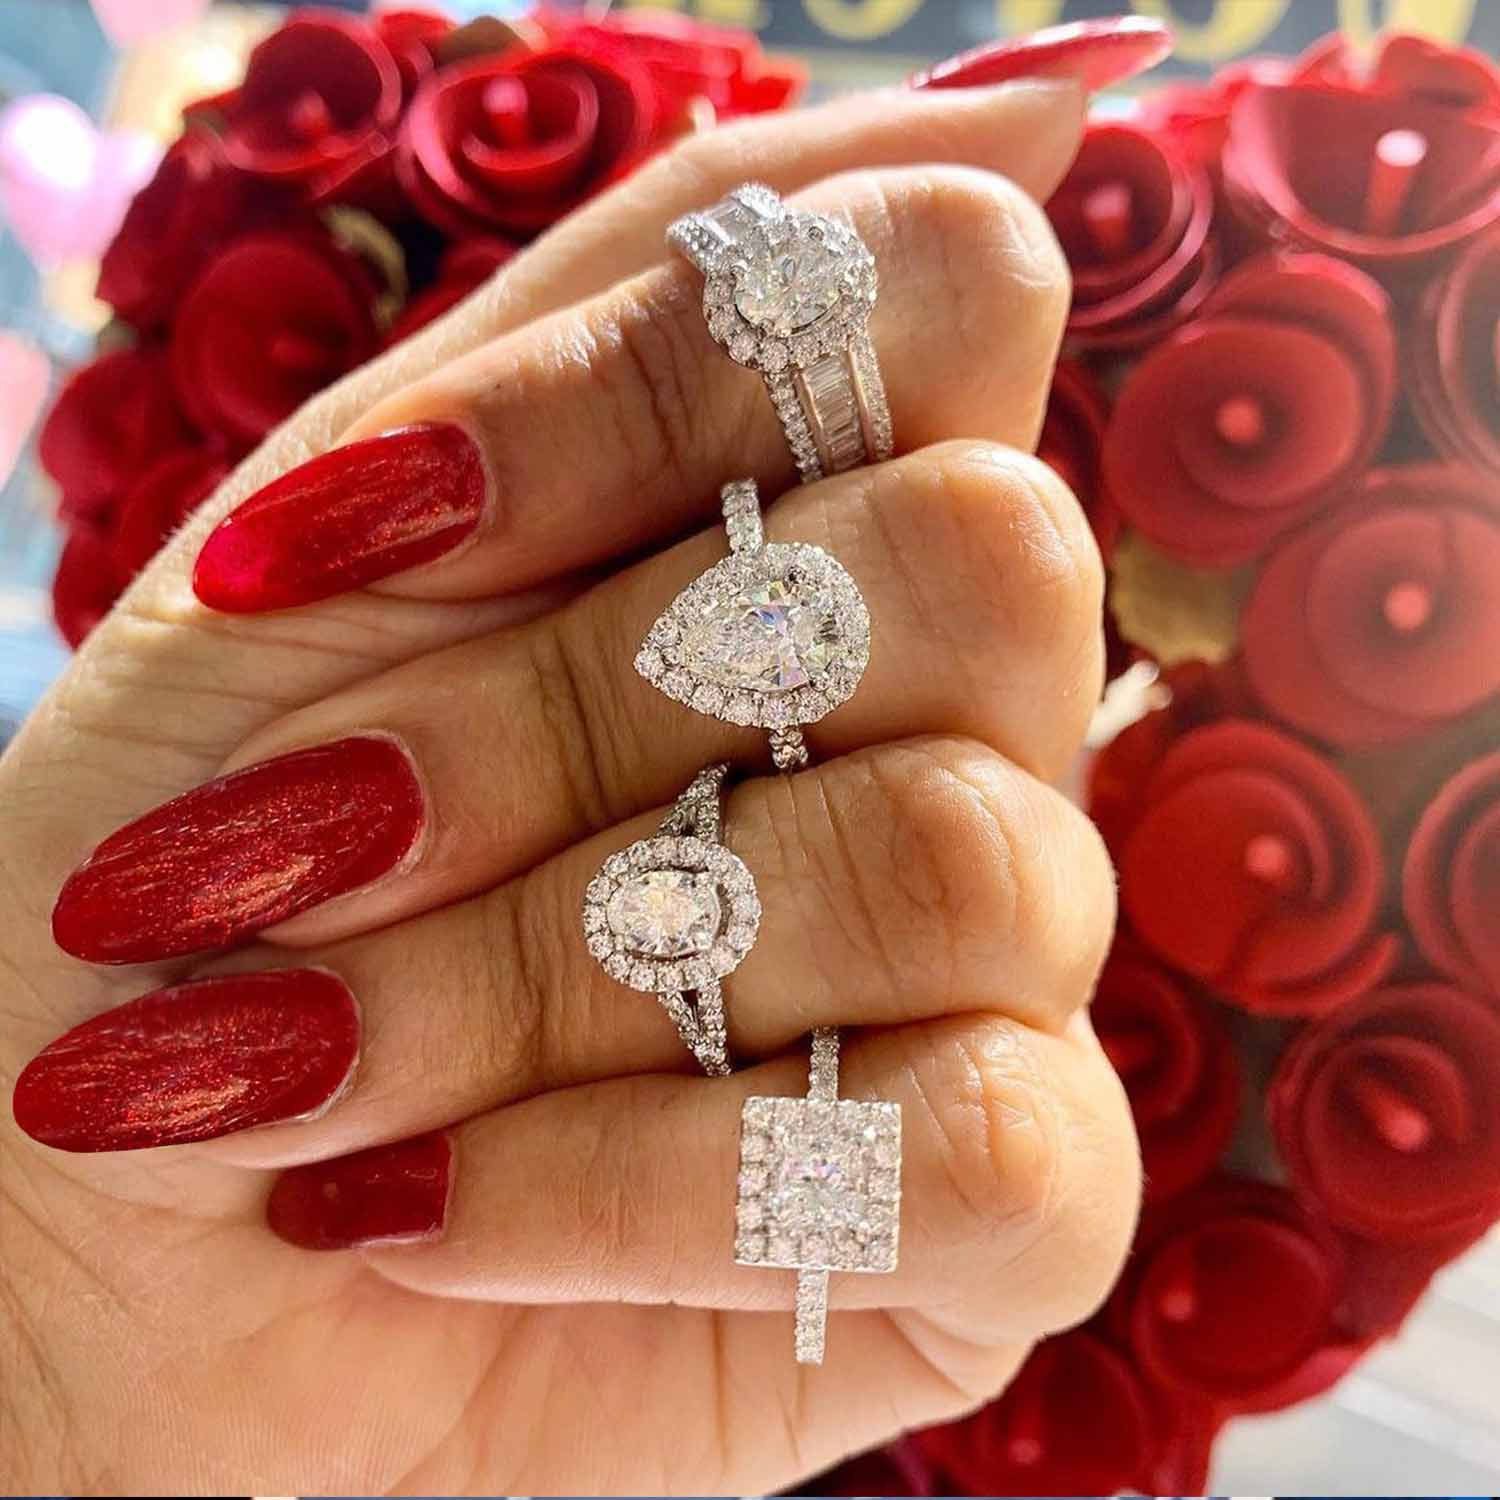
819,1188
672,915
789,294
775,636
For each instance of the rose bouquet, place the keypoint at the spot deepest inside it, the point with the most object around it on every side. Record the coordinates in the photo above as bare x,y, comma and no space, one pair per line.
1280,406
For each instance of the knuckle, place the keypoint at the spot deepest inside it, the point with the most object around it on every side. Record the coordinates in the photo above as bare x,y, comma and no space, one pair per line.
996,250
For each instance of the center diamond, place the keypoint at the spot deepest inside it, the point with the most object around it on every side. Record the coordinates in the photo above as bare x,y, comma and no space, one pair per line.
772,636
665,914
789,288
817,1186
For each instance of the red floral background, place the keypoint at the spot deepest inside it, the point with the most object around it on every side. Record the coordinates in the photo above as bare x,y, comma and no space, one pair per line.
1280,406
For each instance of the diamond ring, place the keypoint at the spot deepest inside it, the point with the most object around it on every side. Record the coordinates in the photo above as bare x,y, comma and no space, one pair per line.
777,635
672,915
789,294
819,1188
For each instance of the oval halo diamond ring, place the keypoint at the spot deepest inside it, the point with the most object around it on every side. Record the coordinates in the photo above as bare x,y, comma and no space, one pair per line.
776,635
789,294
672,915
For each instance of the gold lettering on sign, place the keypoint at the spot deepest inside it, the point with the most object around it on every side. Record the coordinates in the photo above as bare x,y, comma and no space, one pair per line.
860,20
1233,27
753,15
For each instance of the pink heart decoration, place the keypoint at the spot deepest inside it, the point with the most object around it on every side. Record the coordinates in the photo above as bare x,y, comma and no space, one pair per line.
64,185
127,22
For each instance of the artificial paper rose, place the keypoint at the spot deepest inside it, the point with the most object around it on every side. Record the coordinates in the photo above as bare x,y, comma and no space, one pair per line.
321,99
1386,1114
1071,442
463,269
1174,1057
112,419
158,503
1076,1420
86,583
173,226
1381,621
1233,1298
1133,217
1450,886
1454,344
1300,163
1252,865
1403,66
271,321
1248,419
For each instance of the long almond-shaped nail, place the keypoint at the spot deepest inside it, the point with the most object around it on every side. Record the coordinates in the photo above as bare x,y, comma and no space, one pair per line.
381,1196
218,864
1095,54
345,519
193,1062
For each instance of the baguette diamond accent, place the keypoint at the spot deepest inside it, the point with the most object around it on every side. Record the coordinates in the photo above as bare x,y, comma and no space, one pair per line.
789,294
819,1189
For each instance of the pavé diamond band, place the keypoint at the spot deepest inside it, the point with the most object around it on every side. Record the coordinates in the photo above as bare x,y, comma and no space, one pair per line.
672,915
819,1188
776,635
789,294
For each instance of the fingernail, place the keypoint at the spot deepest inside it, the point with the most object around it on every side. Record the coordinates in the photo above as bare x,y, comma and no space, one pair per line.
381,1196
221,862
193,1062
1095,54
345,519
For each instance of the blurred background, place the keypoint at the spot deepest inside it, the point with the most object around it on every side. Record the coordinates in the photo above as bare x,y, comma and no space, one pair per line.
91,91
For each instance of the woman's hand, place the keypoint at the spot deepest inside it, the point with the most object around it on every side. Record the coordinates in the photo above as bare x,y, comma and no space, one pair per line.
468,742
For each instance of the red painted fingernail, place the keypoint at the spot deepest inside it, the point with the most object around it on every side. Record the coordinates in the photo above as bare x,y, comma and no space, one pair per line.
1093,53
221,862
192,1062
345,519
384,1195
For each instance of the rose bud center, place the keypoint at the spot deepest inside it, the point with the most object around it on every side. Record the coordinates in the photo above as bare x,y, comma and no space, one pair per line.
310,117
1394,165
1407,606
1270,859
507,112
1241,421
1108,213
1389,1113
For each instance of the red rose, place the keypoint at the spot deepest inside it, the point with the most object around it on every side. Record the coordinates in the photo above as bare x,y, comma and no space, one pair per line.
1406,66
1195,694
1232,1298
158,503
173,225
1455,365
1133,217
464,268
111,419
511,143
689,61
1253,866
1195,116
1382,620
272,320
1450,887
1386,1114
1238,426
1076,1420
321,100
411,36
85,585
1385,178
1071,439
1174,1057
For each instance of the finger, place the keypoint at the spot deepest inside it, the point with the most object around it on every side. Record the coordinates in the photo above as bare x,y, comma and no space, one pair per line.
632,415
904,883
1018,1187
96,753
983,586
